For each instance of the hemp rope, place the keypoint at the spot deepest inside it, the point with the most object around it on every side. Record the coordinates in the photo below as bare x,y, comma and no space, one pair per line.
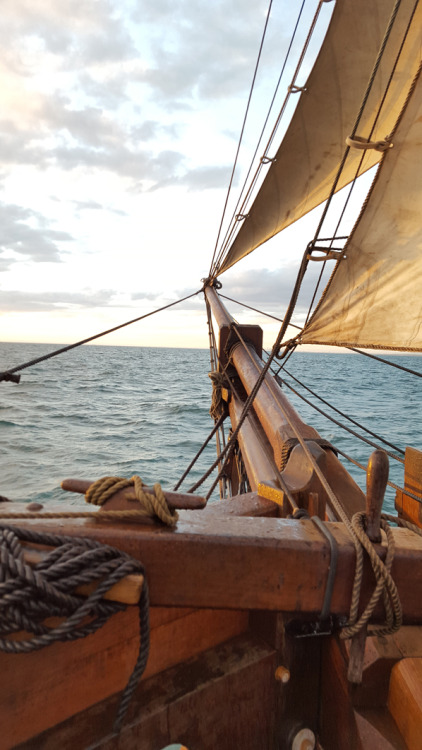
218,406
150,505
30,595
385,584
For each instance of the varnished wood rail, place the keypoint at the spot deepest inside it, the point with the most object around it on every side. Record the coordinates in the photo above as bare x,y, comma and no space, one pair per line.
217,559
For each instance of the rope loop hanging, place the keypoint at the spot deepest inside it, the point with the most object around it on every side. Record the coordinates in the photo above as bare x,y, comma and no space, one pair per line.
385,585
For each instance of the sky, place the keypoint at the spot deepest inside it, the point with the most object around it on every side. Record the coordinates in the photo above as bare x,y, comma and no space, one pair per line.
119,128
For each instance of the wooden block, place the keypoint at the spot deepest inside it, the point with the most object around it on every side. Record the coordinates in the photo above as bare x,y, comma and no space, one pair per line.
405,700
406,506
42,688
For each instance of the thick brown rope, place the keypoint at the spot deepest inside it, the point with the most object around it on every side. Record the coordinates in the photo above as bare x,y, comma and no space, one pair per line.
150,505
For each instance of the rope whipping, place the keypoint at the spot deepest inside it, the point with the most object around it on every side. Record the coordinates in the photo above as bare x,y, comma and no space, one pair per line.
29,595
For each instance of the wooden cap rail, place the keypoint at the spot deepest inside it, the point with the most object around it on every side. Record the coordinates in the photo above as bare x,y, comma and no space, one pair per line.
235,562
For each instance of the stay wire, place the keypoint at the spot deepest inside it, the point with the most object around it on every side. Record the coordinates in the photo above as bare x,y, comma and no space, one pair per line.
202,448
390,484
260,312
7,373
242,131
339,424
386,361
230,228
350,419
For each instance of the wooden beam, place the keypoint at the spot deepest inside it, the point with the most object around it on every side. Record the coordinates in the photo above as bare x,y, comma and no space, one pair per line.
223,561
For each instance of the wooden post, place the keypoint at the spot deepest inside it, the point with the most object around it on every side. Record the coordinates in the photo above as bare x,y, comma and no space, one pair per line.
376,482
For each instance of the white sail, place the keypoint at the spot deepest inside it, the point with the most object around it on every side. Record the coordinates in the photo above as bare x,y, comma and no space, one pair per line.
374,297
307,161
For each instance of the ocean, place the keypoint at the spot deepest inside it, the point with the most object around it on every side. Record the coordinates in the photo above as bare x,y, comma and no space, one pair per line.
104,410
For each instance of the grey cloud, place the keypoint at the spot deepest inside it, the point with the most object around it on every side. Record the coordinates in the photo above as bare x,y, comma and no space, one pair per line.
79,31
145,295
203,50
36,240
268,291
46,301
200,178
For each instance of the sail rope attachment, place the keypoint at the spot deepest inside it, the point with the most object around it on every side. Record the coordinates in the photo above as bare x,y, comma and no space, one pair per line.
30,595
151,505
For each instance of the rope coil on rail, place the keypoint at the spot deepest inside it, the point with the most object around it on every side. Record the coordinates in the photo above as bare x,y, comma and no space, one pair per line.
29,595
151,504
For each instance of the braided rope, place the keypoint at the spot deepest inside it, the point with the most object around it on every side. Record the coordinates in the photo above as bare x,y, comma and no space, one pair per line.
218,405
28,596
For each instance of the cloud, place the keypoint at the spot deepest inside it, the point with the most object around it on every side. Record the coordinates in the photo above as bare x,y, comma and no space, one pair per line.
28,233
17,301
263,289
270,290
198,44
79,32
199,178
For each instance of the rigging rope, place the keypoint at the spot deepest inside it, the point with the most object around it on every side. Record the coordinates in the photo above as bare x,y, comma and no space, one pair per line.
305,259
267,18
232,224
7,374
339,424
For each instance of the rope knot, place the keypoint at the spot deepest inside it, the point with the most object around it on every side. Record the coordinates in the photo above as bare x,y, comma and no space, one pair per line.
150,504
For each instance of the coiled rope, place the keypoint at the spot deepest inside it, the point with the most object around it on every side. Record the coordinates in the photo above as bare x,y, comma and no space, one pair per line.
29,595
151,504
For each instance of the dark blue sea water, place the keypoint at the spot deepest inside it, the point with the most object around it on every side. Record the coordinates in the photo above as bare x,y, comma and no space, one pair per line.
101,410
